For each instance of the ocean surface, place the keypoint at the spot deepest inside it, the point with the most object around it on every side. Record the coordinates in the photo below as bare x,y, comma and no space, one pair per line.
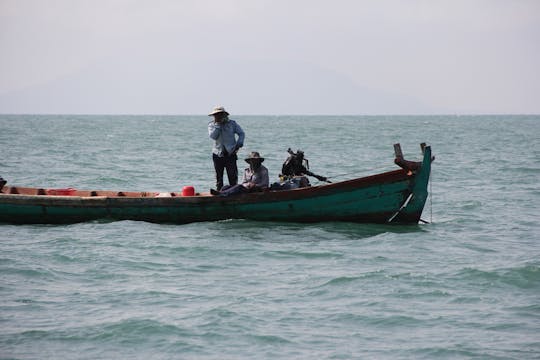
465,286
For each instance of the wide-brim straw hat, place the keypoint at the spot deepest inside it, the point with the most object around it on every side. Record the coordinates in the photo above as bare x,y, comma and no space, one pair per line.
217,110
254,156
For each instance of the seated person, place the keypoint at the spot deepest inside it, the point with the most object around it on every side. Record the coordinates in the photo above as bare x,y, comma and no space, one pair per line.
255,178
297,165
294,173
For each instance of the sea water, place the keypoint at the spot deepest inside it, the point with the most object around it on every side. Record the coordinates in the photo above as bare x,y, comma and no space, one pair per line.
465,286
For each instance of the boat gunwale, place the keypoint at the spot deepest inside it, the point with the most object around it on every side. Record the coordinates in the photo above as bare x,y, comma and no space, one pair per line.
267,195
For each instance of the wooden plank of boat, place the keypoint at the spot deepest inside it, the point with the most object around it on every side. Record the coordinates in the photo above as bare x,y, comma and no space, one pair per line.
395,196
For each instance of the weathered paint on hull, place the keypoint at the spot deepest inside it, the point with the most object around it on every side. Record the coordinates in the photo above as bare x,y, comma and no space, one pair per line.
373,199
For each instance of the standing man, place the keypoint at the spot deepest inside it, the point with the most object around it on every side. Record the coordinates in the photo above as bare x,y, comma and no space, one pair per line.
223,131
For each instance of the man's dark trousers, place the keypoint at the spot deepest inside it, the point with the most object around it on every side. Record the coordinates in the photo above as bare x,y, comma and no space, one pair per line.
228,163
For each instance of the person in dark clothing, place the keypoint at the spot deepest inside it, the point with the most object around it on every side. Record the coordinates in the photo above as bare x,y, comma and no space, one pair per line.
297,165
255,178
294,173
2,183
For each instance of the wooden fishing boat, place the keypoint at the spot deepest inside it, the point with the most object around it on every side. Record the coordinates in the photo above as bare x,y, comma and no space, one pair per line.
391,197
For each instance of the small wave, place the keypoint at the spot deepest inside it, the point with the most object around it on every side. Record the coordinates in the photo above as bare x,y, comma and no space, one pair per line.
471,205
525,277
444,353
35,334
133,330
270,339
529,310
521,170
64,259
466,300
428,294
26,301
30,273
479,248
397,320
305,255
221,313
7,261
207,268
343,280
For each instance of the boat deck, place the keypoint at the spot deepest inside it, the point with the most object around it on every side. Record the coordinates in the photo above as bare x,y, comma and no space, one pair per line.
17,190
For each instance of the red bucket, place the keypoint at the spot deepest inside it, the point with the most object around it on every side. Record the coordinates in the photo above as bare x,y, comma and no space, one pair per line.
188,191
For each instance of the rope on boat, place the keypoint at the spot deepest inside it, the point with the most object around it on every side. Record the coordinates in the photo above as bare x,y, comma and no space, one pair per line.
401,208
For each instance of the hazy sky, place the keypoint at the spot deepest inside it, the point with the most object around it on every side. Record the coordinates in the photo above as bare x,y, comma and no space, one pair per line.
270,57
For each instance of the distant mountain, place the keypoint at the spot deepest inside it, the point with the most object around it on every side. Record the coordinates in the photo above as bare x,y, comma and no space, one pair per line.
182,86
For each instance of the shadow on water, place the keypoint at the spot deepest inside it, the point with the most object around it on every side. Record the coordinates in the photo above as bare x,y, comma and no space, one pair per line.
312,231
262,231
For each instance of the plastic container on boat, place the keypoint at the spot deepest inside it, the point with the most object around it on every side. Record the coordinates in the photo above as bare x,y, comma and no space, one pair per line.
188,191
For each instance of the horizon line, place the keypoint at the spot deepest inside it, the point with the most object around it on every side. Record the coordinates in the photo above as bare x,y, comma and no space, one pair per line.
299,114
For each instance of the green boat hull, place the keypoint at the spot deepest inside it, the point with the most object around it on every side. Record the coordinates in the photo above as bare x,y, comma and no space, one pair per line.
397,197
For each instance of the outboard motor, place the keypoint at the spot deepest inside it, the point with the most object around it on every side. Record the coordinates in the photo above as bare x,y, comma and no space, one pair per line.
297,165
